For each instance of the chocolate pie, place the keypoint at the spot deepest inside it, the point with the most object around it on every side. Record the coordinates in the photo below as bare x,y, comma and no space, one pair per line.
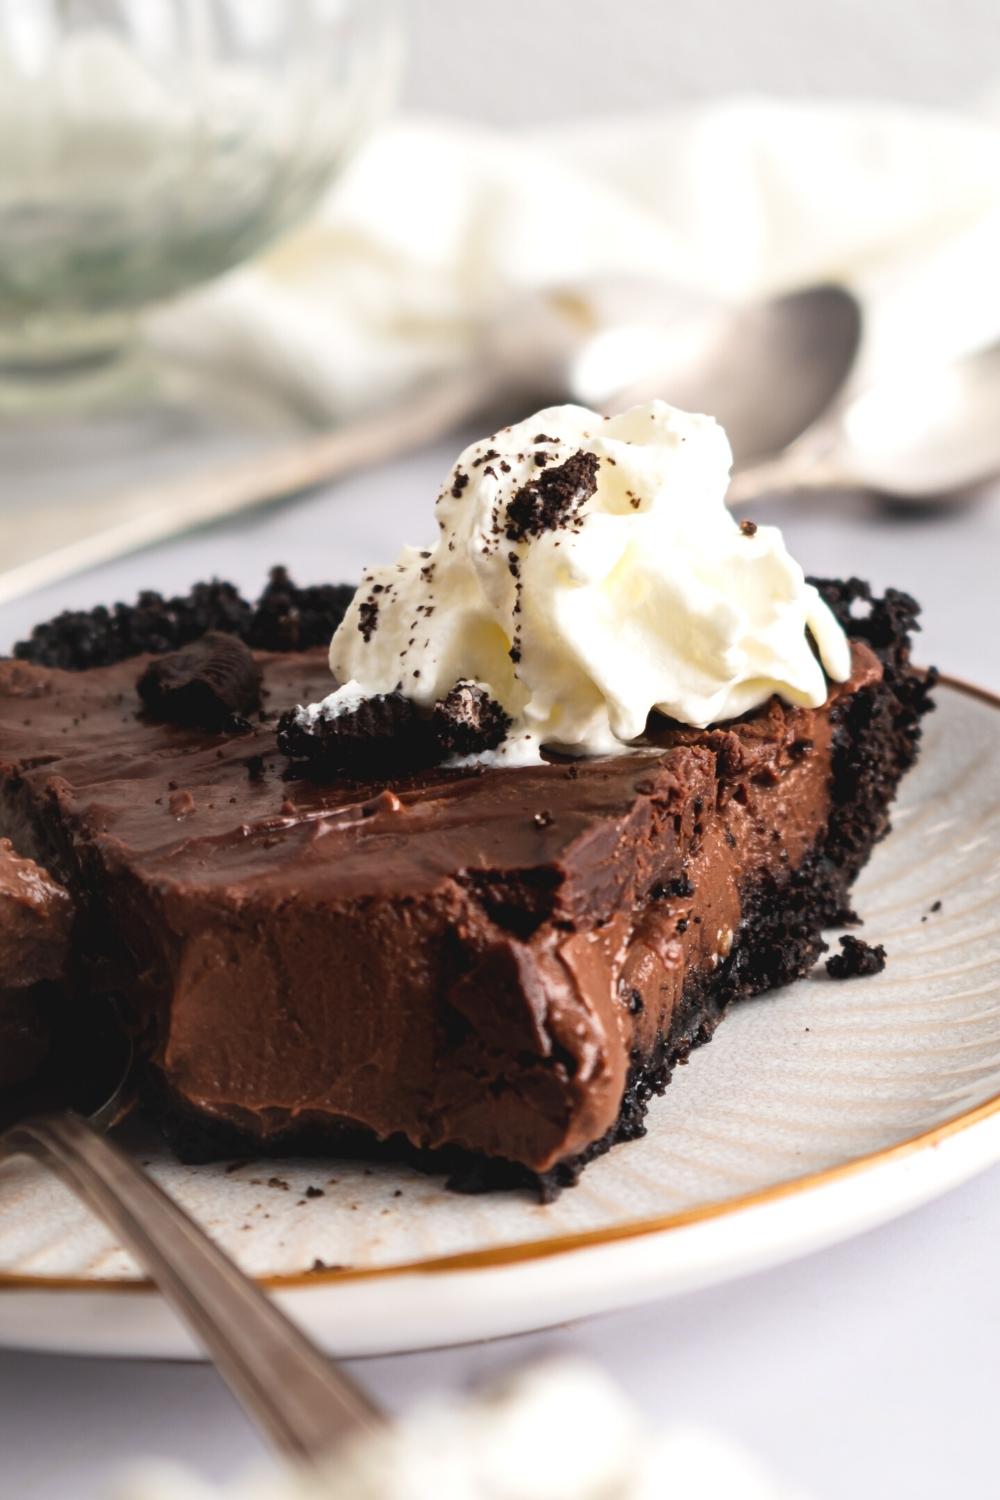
485,969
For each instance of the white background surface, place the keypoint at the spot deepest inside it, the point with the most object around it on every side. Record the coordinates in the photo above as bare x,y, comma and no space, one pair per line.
527,60
868,1371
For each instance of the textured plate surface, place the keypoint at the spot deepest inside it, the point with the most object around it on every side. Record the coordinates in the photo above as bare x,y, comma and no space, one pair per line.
794,1128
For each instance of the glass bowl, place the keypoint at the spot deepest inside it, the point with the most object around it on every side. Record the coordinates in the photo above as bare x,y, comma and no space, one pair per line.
148,145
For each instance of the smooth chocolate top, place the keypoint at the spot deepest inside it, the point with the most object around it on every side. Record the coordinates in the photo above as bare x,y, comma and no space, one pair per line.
190,805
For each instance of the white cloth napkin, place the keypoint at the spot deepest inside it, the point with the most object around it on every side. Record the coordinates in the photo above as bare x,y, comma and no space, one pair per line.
435,223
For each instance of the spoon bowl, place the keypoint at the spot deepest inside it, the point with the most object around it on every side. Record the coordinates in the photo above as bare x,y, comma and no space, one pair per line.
768,371
929,434
925,438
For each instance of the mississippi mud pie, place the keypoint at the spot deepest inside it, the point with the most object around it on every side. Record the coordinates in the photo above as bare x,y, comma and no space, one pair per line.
465,884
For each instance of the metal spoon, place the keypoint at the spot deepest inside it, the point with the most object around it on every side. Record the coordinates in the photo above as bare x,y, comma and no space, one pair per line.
922,438
768,370
299,1397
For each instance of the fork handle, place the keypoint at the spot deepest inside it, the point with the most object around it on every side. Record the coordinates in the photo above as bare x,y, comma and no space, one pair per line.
302,1400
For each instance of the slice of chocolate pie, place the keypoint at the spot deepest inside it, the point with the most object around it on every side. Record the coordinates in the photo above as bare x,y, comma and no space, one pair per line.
460,908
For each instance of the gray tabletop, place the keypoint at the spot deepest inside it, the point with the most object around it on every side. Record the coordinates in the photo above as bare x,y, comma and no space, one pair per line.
865,1371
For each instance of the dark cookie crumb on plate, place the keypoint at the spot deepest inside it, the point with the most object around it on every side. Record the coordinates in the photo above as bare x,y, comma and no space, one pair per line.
856,959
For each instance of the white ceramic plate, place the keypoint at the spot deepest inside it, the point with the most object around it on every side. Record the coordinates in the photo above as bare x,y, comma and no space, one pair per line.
816,1112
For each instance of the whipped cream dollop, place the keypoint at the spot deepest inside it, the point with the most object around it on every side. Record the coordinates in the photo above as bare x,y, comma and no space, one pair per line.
558,1431
586,571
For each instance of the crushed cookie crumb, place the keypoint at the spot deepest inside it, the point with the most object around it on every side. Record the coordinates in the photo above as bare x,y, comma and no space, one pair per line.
856,959
468,721
552,502
181,804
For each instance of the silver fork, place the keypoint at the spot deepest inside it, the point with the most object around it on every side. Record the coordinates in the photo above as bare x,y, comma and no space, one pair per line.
302,1400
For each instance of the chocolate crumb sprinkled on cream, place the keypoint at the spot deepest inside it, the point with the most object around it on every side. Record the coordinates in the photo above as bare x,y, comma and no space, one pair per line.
552,501
368,619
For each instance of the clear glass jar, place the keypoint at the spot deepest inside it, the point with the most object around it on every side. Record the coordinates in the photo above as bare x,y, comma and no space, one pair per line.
148,145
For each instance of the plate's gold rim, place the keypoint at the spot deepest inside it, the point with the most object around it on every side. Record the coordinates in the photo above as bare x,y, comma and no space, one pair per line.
542,1249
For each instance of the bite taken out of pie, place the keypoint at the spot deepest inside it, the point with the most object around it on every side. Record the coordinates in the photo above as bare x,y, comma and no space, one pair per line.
593,767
